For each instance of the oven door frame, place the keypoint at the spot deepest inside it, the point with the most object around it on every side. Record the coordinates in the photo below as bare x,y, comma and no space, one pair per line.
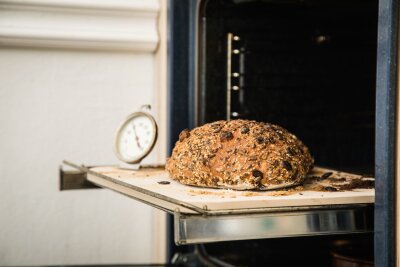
181,75
182,21
385,135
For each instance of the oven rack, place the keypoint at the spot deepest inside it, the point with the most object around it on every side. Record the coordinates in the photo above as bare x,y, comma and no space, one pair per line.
194,224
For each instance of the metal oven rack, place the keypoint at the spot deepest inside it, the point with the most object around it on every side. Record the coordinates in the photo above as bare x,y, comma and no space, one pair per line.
194,225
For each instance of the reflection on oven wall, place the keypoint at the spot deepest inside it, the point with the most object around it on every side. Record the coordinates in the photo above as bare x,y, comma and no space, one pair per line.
253,226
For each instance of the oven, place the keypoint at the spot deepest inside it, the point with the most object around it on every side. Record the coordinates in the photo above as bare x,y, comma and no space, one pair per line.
324,69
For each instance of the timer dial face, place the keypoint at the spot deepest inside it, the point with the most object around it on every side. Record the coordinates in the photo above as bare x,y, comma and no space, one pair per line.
135,137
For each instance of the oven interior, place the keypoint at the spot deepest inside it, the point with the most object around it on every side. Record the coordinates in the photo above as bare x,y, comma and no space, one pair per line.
307,65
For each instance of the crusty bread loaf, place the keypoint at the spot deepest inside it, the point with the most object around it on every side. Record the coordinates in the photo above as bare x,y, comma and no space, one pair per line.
239,154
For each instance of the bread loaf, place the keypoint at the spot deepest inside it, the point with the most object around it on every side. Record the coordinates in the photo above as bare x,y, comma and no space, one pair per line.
239,154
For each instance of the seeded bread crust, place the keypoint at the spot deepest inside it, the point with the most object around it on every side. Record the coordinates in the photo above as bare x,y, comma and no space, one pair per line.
239,154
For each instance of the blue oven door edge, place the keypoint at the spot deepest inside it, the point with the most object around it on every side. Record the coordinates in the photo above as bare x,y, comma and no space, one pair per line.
181,83
385,143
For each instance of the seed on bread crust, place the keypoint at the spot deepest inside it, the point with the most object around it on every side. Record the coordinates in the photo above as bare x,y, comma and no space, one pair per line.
287,165
260,139
257,173
226,136
244,130
184,134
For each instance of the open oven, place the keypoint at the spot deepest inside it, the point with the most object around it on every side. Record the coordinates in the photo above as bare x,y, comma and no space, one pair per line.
323,69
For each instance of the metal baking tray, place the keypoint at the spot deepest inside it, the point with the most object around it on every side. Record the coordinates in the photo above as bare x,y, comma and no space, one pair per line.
204,215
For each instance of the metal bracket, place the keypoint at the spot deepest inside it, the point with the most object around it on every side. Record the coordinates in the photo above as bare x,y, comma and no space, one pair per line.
74,179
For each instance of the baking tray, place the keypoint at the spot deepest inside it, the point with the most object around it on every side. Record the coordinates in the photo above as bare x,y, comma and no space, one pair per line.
208,215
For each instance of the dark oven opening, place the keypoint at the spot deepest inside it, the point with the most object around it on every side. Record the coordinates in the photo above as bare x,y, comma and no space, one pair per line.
308,65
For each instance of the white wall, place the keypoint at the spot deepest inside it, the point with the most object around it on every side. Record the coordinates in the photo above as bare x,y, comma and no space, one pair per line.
62,102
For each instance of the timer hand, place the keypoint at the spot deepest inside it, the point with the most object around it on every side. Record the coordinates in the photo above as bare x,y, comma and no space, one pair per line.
136,137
